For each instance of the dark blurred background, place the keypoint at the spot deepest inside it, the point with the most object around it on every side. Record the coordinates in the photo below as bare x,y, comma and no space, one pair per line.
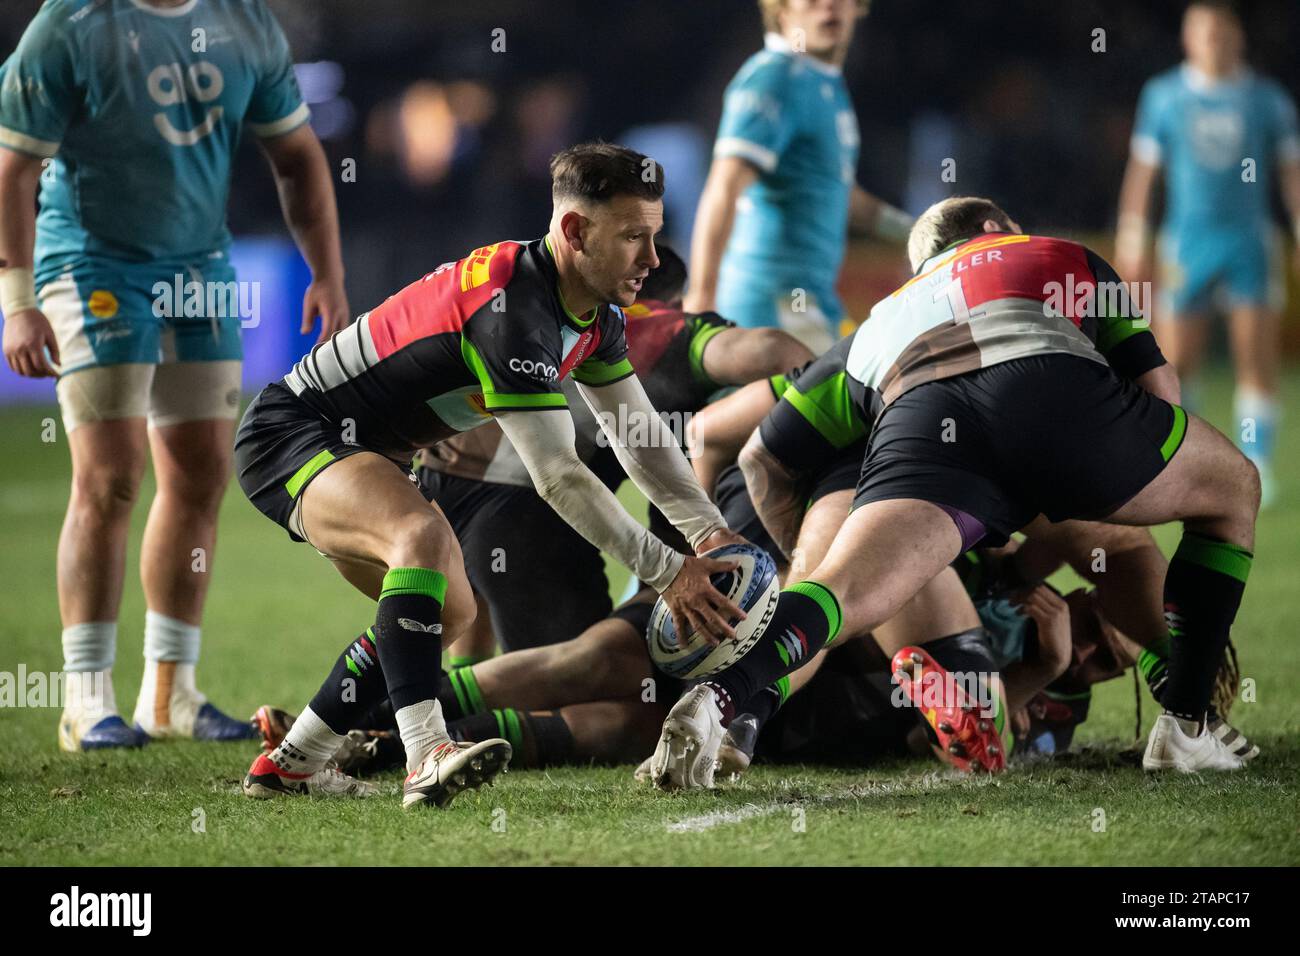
451,137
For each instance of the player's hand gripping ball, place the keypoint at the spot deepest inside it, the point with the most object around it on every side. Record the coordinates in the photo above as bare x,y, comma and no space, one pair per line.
753,586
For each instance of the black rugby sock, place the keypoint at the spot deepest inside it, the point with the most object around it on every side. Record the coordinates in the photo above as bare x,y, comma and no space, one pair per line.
1203,590
354,686
806,619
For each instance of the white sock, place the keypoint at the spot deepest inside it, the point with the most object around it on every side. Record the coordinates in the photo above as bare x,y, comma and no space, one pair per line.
307,746
422,729
88,695
168,697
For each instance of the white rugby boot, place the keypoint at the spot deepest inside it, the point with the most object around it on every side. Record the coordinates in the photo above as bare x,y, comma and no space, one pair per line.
450,768
1170,748
686,757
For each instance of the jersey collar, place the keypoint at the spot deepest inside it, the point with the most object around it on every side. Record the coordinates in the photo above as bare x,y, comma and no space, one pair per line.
1200,82
180,11
578,322
775,43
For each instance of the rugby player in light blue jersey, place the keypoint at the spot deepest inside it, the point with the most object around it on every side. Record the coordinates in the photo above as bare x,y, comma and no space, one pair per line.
1223,135
780,198
127,113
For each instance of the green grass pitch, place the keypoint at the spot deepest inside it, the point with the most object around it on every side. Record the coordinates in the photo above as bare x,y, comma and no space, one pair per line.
273,602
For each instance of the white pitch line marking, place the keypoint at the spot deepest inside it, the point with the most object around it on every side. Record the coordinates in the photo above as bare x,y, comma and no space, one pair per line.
750,811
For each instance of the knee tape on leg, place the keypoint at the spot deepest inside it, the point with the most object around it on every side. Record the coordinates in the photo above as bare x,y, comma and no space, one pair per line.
104,393
194,391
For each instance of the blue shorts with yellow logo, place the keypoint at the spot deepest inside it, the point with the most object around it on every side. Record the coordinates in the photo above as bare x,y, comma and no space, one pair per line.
108,312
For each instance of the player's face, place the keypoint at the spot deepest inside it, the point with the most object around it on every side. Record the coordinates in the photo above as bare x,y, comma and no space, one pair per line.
824,27
1213,40
618,247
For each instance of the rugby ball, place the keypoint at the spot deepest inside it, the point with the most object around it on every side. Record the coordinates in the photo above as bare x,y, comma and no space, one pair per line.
753,586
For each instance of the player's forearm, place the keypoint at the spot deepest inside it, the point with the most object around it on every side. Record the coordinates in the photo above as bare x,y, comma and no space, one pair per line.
774,491
19,177
655,464
1162,382
719,431
544,441
871,216
302,178
593,511
742,356
1134,230
713,222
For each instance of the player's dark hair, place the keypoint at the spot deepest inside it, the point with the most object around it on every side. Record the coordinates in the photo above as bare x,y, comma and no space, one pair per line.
949,221
597,172
667,282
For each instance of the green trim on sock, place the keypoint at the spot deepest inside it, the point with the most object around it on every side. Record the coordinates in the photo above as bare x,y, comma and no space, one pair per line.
508,724
466,660
1229,559
1151,665
1057,695
782,686
1176,434
370,633
826,600
466,688
424,581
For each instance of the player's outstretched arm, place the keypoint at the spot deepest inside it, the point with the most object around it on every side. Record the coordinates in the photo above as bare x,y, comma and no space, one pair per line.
870,215
302,178
720,429
775,491
1133,234
654,462
729,176
27,333
544,441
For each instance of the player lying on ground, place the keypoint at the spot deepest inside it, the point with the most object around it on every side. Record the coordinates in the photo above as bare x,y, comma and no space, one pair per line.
993,400
1117,623
130,132
519,554
326,455
807,423
593,688
596,698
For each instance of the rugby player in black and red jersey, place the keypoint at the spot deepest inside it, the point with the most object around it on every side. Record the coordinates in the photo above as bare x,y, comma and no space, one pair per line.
519,554
326,454
1008,378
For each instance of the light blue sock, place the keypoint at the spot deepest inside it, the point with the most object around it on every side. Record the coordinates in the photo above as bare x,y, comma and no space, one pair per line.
90,647
1257,416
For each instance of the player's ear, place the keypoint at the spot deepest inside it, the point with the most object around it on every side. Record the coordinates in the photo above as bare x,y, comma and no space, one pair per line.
992,225
571,225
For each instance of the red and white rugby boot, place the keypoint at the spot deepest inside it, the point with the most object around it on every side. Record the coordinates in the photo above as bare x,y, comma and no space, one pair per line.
265,780
967,736
451,767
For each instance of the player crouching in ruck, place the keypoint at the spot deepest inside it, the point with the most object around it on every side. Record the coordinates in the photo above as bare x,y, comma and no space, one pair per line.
326,454
989,408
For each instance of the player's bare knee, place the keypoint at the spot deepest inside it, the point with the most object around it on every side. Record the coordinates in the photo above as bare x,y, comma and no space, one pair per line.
420,541
106,494
202,487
